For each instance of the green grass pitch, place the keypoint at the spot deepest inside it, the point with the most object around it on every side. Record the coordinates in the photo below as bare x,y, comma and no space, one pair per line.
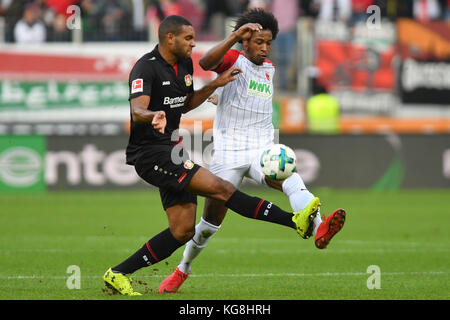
405,234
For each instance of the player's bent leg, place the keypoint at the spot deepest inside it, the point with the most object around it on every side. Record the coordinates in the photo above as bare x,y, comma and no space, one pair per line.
214,211
182,221
181,229
206,184
203,232
213,215
301,199
305,205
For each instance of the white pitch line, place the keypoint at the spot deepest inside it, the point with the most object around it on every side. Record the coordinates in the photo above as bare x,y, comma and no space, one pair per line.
244,275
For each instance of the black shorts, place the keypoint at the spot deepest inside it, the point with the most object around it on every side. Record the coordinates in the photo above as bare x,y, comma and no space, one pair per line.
168,168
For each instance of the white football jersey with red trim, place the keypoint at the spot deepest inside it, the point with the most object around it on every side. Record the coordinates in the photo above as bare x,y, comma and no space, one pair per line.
244,112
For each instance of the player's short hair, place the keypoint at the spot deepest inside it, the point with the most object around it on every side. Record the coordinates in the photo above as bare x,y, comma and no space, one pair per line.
171,24
266,19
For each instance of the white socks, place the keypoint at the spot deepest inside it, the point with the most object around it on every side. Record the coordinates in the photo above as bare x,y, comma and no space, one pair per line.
299,196
203,232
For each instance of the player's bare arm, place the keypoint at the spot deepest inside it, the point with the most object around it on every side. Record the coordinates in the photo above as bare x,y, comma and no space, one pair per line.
198,97
214,57
140,113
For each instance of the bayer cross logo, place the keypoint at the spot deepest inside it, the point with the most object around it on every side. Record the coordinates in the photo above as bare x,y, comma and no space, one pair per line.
20,166
22,162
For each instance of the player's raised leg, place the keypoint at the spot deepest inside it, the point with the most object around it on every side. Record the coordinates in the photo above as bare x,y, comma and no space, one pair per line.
300,198
303,202
209,185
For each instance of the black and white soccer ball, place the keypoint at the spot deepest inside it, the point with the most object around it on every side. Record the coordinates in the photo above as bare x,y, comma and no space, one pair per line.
278,162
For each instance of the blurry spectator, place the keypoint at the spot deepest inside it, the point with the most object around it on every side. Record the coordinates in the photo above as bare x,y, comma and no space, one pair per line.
286,12
115,19
426,10
158,10
446,9
309,8
138,20
12,12
59,30
193,10
89,16
322,112
359,8
263,4
226,8
30,29
56,17
393,9
335,10
60,6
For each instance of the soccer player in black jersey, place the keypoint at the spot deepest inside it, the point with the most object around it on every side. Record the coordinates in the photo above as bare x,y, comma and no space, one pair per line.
161,89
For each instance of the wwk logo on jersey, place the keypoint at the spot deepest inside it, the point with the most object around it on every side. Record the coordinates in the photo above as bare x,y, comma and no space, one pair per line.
257,89
137,86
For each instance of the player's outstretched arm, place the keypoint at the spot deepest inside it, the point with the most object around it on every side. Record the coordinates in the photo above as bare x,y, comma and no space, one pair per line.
140,113
214,57
199,96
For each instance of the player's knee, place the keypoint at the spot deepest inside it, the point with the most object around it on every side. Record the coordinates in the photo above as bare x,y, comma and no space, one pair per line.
222,189
183,234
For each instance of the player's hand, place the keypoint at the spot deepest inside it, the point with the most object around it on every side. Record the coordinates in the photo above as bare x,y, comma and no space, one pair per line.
159,121
214,99
245,31
227,76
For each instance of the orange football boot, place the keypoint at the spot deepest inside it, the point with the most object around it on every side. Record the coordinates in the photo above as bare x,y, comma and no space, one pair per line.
329,227
173,282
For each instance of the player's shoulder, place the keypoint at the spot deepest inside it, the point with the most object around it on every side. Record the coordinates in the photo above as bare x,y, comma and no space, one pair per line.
233,54
229,59
149,58
147,61
268,63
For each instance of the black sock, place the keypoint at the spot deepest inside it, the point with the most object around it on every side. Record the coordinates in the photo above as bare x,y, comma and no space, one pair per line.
154,250
257,208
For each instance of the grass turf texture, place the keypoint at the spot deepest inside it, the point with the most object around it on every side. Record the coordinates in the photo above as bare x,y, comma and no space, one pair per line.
404,233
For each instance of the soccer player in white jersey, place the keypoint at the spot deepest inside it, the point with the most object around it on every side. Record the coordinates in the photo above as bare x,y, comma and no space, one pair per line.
243,129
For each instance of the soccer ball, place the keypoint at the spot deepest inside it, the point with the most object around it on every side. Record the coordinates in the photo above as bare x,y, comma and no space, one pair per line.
278,162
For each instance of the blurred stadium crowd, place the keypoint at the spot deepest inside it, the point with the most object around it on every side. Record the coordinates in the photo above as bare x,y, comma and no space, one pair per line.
130,20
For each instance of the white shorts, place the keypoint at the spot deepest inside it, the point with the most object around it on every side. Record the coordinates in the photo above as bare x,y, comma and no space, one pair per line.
233,166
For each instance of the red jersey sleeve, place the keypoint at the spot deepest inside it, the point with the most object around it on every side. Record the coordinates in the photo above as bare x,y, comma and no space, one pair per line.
228,60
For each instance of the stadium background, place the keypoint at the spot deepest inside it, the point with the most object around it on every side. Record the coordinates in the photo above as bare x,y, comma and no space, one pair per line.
64,110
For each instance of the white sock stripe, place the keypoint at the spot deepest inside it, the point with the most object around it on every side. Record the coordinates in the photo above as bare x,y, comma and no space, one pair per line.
209,224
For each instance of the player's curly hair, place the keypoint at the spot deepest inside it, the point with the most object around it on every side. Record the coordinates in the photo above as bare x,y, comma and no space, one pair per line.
264,18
